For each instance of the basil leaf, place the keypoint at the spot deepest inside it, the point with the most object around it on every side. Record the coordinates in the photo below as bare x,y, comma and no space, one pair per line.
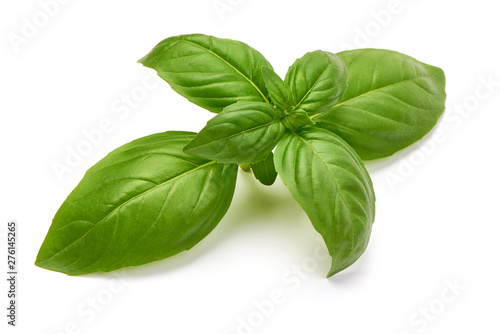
210,72
328,179
243,132
264,170
145,201
392,100
279,92
317,81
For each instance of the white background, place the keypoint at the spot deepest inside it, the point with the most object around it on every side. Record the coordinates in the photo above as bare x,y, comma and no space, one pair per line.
437,222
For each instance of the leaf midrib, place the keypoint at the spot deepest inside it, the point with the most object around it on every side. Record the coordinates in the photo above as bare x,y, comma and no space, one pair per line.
312,86
371,91
255,128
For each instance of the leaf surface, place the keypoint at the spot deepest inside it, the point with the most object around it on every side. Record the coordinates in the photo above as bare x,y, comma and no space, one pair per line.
265,171
210,72
243,132
279,92
392,100
317,81
145,201
329,181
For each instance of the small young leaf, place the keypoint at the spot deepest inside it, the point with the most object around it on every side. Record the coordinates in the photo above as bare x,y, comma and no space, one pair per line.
328,179
210,72
317,81
279,92
243,132
264,170
296,120
145,201
392,100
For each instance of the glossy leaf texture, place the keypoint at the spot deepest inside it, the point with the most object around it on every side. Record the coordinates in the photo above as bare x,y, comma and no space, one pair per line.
264,170
392,100
145,201
317,80
328,179
243,132
279,93
210,72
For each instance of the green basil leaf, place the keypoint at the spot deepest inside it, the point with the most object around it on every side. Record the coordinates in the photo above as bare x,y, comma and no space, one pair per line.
392,100
145,201
210,72
264,170
328,179
279,93
317,81
243,132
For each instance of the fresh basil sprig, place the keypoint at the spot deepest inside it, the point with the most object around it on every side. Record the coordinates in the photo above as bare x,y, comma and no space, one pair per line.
161,194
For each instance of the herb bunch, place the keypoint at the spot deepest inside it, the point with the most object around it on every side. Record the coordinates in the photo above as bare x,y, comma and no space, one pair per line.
161,194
